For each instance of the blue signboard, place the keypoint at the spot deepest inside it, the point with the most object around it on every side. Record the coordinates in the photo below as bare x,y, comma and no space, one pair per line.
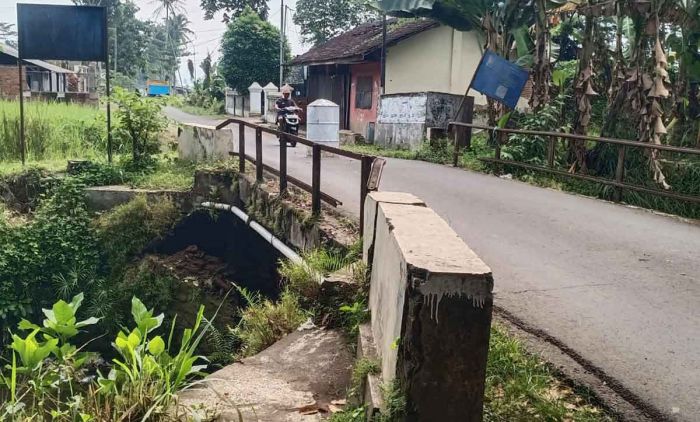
499,79
53,32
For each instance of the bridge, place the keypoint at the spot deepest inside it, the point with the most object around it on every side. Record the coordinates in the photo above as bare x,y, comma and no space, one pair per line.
614,287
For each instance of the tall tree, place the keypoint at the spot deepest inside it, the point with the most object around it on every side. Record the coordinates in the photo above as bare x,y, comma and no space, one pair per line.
250,51
130,36
234,8
8,34
321,20
206,66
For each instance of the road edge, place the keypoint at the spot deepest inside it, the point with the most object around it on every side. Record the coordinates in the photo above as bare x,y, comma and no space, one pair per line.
579,372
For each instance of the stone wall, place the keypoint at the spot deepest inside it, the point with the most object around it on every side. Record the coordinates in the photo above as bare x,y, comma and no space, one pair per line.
404,119
203,143
431,303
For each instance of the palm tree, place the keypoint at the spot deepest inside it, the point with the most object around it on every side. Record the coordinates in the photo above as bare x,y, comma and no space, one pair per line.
172,8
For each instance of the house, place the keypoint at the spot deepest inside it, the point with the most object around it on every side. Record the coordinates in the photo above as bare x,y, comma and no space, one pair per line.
428,69
41,79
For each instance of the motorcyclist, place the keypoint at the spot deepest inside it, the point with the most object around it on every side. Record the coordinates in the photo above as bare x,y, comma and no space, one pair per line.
282,103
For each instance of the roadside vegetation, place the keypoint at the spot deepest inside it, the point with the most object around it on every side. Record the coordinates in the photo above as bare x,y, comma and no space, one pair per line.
685,174
53,132
519,386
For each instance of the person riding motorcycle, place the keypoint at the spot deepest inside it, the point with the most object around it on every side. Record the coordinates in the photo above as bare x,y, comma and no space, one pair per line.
282,103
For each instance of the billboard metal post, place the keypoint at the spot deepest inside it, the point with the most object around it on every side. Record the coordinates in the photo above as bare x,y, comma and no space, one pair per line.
108,91
21,110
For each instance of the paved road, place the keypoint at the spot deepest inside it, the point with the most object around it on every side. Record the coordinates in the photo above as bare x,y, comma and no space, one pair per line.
619,286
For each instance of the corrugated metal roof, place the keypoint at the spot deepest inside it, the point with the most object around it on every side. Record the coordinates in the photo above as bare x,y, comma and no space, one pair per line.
6,49
354,45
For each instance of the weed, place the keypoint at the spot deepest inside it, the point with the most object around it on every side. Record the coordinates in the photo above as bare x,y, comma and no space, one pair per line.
264,322
52,131
394,402
301,279
521,387
121,239
363,367
356,414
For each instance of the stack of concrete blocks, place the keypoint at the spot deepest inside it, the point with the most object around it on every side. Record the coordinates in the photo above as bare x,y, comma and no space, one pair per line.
431,303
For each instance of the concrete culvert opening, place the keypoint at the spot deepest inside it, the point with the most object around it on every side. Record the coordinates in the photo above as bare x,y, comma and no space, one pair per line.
220,244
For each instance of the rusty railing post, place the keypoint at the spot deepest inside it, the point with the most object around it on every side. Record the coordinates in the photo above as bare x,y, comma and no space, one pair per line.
551,148
462,134
283,164
258,155
316,180
364,190
241,147
619,172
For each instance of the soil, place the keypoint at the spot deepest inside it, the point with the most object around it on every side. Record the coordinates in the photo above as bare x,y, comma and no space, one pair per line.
194,264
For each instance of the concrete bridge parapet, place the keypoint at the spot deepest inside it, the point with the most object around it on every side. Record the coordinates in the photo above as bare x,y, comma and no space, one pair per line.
431,304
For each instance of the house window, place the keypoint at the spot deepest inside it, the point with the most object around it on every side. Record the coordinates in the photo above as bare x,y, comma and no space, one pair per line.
363,92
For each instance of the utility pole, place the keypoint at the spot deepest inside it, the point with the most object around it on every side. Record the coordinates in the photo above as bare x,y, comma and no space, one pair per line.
281,44
383,63
115,49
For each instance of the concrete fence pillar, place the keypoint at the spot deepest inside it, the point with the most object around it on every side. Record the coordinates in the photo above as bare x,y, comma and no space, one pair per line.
431,303
268,89
256,102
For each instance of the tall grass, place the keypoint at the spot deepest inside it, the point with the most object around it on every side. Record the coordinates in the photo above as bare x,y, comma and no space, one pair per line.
52,131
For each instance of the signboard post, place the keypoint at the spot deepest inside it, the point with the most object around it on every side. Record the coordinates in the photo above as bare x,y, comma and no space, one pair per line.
53,32
498,79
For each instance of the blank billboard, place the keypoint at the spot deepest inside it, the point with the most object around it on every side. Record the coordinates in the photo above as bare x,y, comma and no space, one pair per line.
52,32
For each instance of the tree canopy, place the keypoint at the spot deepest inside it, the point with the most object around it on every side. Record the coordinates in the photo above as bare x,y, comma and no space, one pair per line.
250,51
234,8
321,20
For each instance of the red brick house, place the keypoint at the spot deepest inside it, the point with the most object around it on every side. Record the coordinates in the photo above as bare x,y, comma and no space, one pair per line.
347,69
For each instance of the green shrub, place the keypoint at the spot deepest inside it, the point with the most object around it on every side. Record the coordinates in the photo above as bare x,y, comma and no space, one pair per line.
264,322
140,124
126,230
58,242
439,151
48,378
100,174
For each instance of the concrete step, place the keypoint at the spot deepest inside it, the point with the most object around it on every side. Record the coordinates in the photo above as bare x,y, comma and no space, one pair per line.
293,380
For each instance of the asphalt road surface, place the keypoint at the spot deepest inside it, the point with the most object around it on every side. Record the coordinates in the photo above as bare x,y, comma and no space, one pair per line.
617,285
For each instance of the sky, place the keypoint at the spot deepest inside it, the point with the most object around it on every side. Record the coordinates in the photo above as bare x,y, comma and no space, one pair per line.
207,33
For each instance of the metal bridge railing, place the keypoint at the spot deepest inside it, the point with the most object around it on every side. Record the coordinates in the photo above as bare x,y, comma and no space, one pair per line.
623,144
370,166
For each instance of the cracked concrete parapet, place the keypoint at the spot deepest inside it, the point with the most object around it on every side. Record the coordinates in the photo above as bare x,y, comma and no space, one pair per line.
431,302
199,143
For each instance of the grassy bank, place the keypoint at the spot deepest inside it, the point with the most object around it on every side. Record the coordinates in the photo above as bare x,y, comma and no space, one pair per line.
53,131
519,387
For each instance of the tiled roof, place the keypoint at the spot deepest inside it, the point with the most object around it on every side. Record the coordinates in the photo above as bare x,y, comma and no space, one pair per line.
6,49
354,45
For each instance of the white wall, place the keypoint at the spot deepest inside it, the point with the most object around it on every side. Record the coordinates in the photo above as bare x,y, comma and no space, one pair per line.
441,60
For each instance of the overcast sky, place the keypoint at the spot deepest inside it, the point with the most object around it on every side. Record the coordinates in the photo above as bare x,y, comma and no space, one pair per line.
207,34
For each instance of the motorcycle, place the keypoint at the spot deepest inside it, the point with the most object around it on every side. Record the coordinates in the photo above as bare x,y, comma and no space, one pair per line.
288,122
